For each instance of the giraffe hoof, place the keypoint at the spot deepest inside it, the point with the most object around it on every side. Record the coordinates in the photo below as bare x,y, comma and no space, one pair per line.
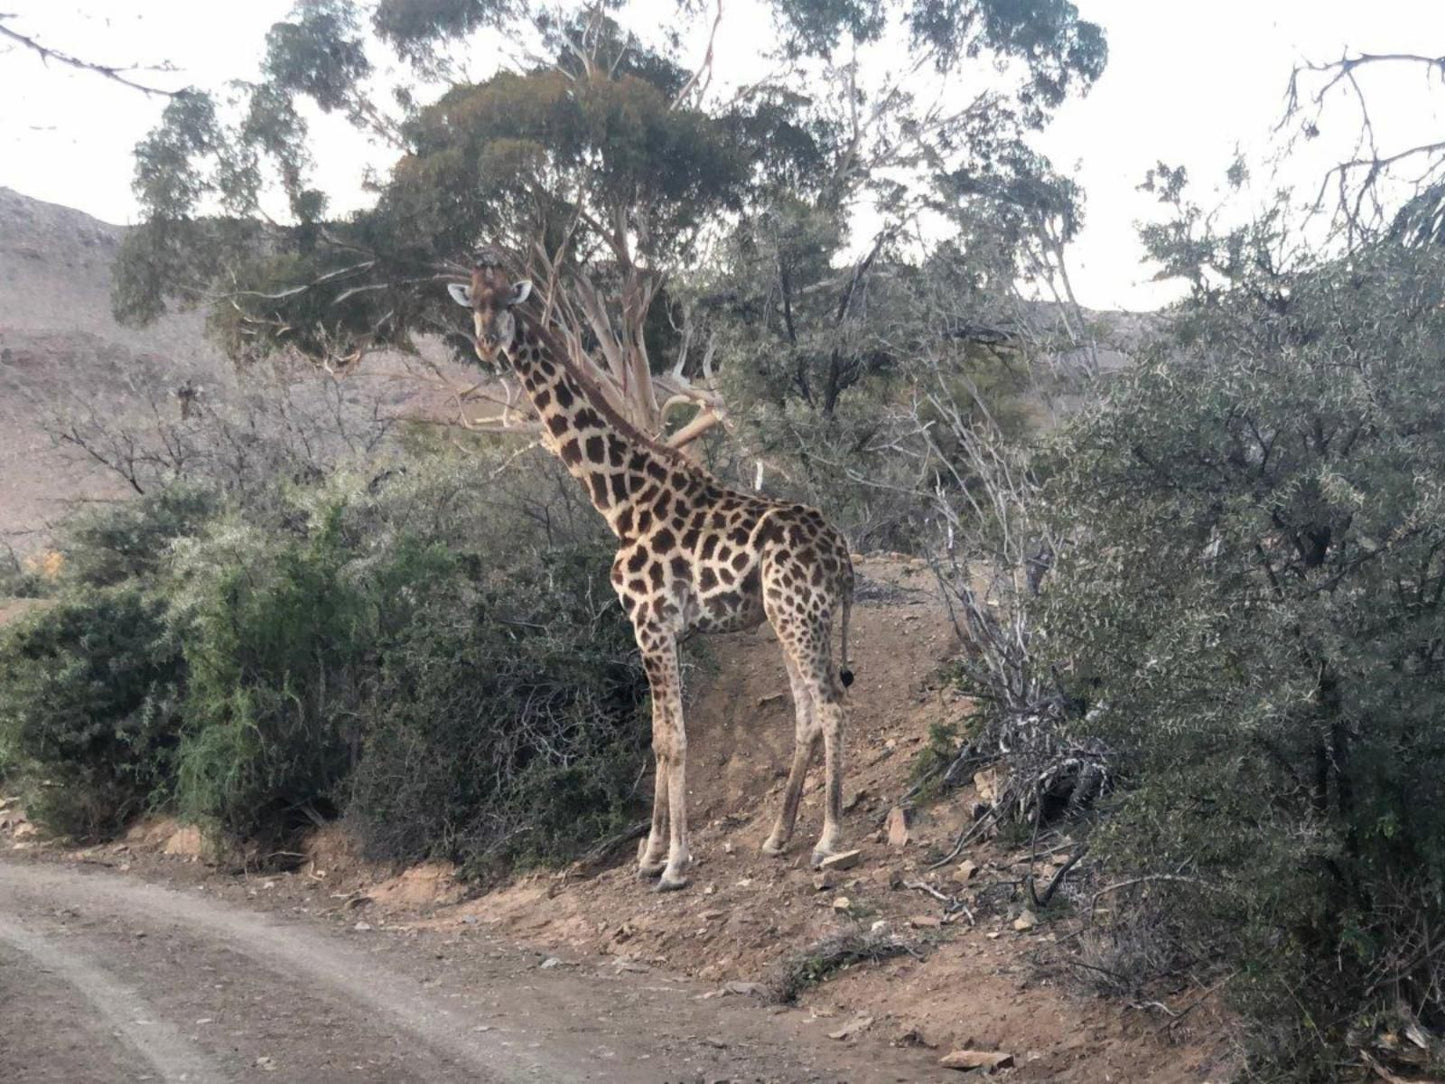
817,858
773,848
648,870
671,883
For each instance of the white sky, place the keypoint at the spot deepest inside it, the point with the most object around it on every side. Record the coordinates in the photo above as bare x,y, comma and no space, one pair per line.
1187,82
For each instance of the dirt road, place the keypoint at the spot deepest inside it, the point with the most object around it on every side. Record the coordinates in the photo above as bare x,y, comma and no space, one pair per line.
104,978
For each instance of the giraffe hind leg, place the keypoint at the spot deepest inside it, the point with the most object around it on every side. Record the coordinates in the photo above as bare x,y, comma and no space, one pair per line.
806,739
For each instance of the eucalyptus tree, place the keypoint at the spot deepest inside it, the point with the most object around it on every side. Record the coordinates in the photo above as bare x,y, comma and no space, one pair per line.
592,148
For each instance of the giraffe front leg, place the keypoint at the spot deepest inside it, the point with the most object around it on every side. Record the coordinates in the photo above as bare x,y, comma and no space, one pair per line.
651,855
678,855
659,651
652,852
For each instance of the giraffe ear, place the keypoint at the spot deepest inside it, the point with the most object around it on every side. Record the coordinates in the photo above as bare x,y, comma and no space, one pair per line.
521,291
461,293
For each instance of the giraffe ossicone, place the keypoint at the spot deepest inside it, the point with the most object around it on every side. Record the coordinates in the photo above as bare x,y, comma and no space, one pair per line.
693,556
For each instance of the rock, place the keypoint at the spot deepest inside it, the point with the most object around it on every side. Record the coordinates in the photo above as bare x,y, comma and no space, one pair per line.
842,903
1025,921
986,783
746,989
852,1027
879,928
266,1064
549,963
844,860
925,922
25,830
913,1035
825,881
965,871
848,806
987,1060
897,826
184,843
362,926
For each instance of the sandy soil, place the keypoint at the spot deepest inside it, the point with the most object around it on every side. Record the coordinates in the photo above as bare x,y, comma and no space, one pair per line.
104,977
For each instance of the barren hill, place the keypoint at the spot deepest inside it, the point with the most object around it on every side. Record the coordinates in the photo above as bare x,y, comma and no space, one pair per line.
60,348
64,359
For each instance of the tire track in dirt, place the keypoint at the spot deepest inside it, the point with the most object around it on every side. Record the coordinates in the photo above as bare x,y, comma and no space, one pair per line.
206,990
104,1011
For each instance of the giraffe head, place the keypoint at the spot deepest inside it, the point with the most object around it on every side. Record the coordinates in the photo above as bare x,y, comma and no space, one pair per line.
491,296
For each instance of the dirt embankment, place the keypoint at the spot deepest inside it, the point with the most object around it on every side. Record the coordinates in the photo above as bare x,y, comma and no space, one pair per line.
974,985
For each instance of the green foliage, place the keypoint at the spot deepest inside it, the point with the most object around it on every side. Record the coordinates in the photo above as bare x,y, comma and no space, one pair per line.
606,155
132,541
276,649
440,659
508,727
89,708
1256,611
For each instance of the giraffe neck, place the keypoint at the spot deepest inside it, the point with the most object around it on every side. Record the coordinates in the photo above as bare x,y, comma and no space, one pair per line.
624,474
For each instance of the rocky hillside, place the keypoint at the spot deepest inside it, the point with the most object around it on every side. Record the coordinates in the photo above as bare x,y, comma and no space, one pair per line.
64,361
61,352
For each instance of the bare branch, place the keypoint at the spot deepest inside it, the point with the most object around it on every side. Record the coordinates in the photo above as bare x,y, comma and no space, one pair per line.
112,72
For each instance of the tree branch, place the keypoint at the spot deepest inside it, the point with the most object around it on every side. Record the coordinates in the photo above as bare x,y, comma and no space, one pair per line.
115,73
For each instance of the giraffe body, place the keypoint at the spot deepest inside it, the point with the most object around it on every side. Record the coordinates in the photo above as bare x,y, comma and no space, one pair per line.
693,556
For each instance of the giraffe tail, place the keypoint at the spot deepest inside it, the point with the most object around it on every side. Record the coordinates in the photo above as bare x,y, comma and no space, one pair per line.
845,675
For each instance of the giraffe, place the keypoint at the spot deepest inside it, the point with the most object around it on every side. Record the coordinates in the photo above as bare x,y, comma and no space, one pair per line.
693,556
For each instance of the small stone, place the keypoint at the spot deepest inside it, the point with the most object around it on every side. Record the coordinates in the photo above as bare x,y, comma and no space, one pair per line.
550,962
825,881
845,860
879,928
1025,921
266,1064
965,871
897,826
987,1060
710,890
986,783
728,847
746,989
852,1027
925,922
362,926
842,903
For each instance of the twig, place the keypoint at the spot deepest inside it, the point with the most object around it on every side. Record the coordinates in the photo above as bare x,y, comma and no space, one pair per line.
1148,878
1056,880
921,886
116,73
966,837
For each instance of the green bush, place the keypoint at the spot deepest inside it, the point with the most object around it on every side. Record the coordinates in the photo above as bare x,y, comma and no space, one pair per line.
1254,606
442,657
507,727
277,648
132,540
89,708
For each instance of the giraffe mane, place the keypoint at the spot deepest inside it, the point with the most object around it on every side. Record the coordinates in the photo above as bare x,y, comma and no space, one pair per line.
600,401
